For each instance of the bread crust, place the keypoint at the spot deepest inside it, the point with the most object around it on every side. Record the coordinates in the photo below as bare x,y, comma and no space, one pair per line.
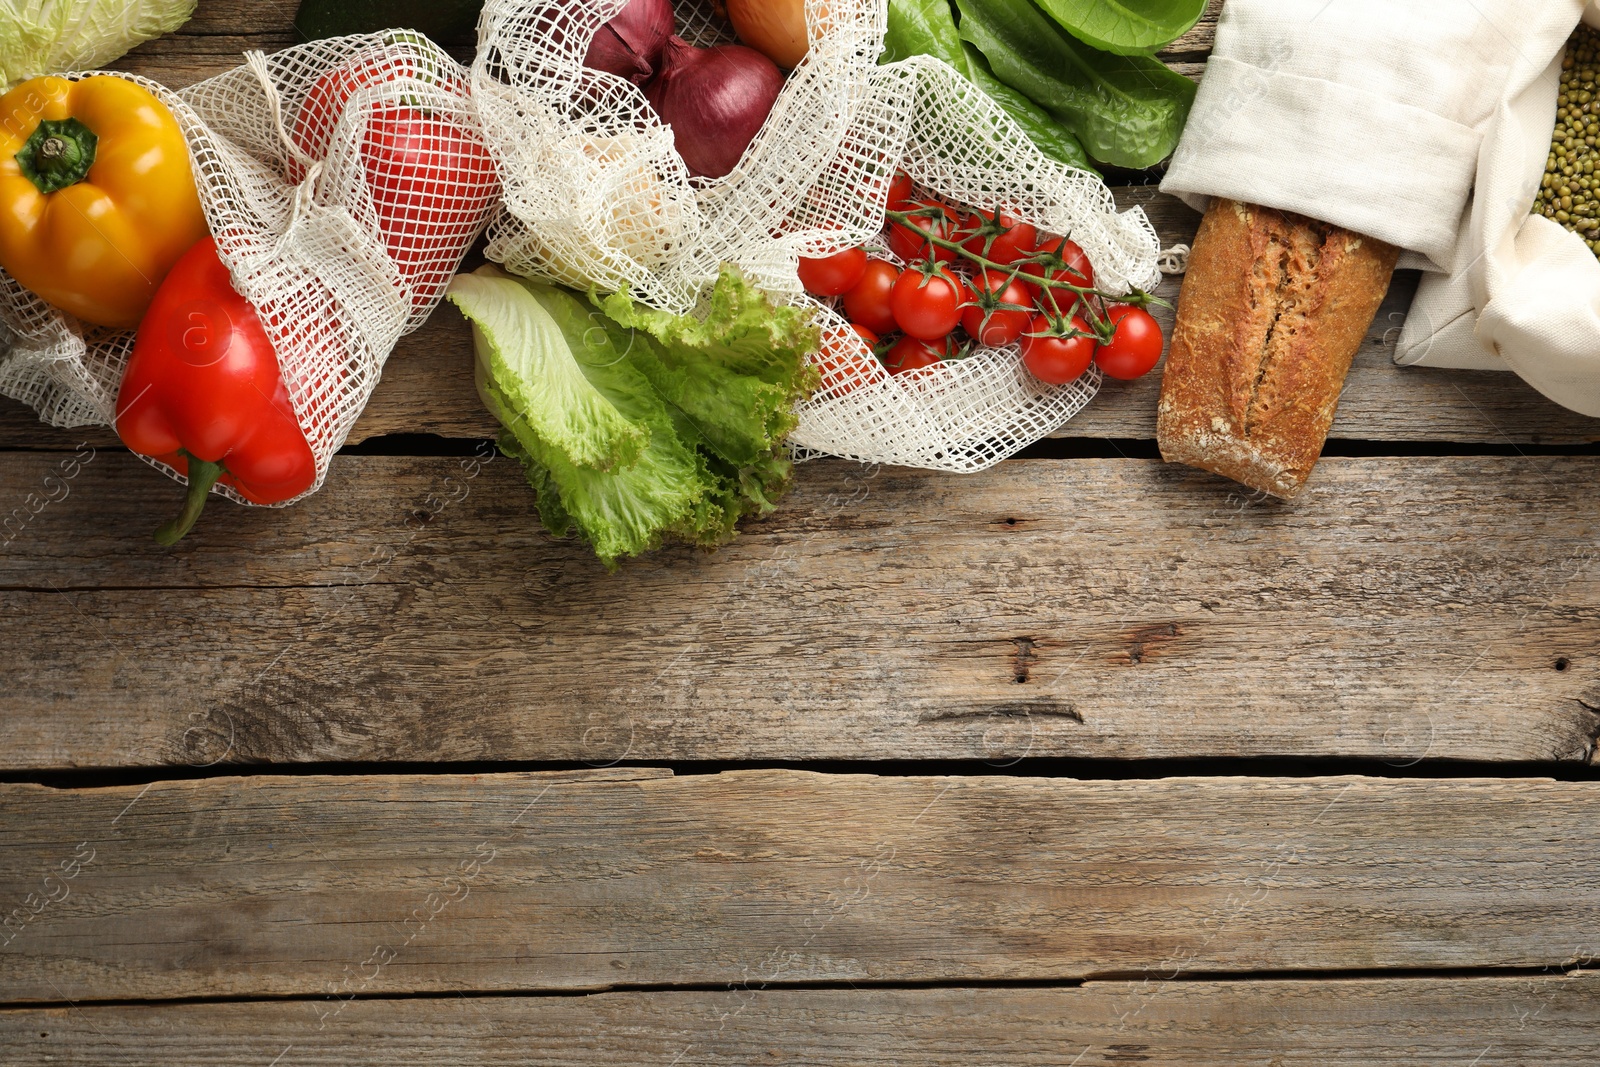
1273,309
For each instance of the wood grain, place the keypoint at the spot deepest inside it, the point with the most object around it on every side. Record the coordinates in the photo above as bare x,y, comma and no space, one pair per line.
381,885
214,40
1404,609
1196,44
1550,1019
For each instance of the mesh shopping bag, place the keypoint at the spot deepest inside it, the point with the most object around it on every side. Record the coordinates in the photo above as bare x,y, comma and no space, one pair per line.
596,193
343,180
596,196
958,146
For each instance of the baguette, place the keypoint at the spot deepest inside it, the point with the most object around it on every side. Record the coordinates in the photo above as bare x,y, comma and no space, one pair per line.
1273,308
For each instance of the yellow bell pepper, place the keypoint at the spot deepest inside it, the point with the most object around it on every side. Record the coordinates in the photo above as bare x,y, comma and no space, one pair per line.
97,199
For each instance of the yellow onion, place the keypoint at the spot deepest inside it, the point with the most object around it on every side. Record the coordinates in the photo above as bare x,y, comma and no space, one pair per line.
775,28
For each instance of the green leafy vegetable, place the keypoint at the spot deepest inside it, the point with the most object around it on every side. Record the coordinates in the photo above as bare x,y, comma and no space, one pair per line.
927,27
922,28
49,36
1127,110
524,351
1047,134
634,425
1126,27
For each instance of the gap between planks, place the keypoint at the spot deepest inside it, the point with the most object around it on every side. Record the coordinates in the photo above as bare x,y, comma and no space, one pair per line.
1080,770
1487,1022
1419,976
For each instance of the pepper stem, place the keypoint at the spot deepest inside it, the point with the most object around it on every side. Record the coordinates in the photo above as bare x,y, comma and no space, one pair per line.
58,154
203,474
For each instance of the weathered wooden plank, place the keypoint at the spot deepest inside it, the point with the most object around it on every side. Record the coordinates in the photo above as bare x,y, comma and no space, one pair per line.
310,885
1550,1019
1196,44
427,386
1403,609
214,40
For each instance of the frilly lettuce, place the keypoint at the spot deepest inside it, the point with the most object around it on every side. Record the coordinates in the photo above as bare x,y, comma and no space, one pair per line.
637,426
50,36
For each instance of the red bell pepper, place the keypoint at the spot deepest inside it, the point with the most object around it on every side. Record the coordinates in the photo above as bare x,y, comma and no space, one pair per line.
204,394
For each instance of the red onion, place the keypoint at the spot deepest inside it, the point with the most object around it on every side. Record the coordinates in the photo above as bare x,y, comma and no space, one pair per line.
715,99
629,45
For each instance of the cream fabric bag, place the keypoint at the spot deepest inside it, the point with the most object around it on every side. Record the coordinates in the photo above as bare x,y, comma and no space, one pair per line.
1522,293
1382,117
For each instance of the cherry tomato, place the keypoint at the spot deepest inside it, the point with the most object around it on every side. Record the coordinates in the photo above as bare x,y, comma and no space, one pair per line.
999,239
988,319
842,365
911,353
833,275
1135,344
927,301
900,191
1053,358
1067,263
910,242
867,302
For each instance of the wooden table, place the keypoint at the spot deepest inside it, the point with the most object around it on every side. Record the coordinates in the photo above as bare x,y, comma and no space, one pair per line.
1083,760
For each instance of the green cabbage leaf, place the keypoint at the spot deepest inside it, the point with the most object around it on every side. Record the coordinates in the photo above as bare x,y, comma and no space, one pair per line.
1127,110
928,27
52,36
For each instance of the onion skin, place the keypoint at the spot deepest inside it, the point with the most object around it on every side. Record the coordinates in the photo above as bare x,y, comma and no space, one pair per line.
775,28
630,45
715,99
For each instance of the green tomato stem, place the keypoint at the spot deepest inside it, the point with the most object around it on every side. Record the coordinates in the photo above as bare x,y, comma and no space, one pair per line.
1097,319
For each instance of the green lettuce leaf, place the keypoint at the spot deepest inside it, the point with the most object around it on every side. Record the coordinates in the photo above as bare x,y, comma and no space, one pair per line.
707,401
927,27
521,349
734,375
1126,27
51,36
1128,111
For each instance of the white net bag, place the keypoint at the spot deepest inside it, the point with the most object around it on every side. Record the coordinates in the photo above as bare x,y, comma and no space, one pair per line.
66,371
344,181
596,192
958,146
596,195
